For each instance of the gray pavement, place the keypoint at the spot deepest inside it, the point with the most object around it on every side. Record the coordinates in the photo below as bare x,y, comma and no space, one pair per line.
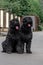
3,33
36,58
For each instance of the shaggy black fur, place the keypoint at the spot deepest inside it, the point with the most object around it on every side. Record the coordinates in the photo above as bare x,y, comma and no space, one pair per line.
26,33
13,42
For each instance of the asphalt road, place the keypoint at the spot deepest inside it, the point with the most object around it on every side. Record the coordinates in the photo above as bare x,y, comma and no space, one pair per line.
36,58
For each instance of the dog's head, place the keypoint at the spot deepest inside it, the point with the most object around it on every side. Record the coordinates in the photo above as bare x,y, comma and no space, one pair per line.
14,24
27,21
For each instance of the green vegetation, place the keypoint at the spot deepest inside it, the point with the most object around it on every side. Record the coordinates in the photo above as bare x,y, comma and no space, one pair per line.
23,7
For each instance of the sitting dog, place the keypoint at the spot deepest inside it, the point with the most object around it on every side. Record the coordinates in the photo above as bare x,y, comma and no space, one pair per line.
26,33
13,42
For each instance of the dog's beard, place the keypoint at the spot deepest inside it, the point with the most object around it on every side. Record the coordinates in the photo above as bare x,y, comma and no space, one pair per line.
26,28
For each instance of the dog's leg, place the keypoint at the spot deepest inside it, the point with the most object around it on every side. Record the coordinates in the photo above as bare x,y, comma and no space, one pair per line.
20,48
4,47
28,47
9,49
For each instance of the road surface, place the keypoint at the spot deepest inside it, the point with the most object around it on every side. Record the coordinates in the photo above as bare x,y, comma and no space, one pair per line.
36,58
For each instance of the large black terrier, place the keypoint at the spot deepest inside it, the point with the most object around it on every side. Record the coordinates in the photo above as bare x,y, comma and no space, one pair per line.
13,42
26,33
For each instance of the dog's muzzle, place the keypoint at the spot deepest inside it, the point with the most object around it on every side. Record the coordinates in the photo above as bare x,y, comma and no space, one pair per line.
17,27
28,25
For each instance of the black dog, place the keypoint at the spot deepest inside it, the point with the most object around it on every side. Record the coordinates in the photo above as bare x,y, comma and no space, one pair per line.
13,42
26,33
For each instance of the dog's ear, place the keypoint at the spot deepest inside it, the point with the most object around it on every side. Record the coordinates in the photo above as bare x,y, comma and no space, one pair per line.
11,23
24,20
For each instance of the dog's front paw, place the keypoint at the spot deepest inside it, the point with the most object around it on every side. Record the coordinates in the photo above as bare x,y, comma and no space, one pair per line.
30,52
19,50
